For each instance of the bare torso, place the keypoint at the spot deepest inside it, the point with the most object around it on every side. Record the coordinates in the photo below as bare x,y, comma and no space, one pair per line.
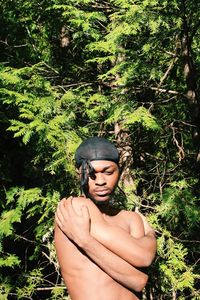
83,278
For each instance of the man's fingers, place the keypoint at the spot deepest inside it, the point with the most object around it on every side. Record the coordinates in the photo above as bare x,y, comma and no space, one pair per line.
63,207
85,212
69,207
61,213
58,221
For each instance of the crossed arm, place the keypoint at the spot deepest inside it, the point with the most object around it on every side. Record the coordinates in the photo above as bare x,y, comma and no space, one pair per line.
137,247
112,248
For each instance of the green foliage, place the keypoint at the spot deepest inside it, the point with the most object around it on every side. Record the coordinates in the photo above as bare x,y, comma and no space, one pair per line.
73,69
9,261
7,218
58,293
143,116
33,280
174,267
39,117
178,202
34,207
4,290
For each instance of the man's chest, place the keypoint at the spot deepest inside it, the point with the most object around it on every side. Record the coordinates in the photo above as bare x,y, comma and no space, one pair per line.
119,220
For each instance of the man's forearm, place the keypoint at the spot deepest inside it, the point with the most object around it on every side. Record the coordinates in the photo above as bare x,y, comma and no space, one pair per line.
138,252
114,266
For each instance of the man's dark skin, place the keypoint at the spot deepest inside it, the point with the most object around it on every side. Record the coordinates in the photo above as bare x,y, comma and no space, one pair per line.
99,251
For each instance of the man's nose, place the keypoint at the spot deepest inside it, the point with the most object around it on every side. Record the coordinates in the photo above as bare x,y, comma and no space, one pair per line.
100,179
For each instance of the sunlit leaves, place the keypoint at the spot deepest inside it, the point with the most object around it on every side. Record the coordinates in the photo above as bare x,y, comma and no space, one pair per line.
142,116
121,71
9,261
7,220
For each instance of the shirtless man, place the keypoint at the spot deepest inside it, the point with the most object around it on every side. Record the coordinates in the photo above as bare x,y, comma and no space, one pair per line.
99,248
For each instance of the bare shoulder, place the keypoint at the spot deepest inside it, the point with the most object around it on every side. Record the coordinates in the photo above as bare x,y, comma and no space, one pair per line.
131,216
94,212
78,202
134,222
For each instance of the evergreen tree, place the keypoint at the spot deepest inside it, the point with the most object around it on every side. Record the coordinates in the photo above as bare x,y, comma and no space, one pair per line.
126,70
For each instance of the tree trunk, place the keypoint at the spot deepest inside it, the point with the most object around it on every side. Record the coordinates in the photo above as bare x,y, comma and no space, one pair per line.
191,80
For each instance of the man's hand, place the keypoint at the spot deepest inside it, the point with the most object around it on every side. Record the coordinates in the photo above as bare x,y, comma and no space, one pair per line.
75,225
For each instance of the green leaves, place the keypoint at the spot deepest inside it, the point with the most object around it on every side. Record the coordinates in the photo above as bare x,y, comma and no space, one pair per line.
7,219
179,203
40,117
74,69
33,280
174,267
10,261
142,116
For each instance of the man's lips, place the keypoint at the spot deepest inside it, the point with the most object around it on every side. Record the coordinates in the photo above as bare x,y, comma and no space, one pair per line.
102,192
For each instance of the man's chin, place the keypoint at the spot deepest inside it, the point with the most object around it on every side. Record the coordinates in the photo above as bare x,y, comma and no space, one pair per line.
100,199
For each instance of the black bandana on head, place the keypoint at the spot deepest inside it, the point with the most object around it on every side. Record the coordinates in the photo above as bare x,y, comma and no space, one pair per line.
95,148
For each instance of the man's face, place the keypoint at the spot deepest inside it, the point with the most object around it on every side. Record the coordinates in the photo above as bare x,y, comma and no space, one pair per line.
104,181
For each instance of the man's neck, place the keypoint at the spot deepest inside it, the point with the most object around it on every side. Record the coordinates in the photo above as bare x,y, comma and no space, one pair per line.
107,208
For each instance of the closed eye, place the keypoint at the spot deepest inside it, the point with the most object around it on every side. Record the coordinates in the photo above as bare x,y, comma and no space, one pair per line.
108,173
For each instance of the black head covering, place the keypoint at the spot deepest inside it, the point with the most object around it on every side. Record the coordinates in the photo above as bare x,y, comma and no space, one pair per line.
94,148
